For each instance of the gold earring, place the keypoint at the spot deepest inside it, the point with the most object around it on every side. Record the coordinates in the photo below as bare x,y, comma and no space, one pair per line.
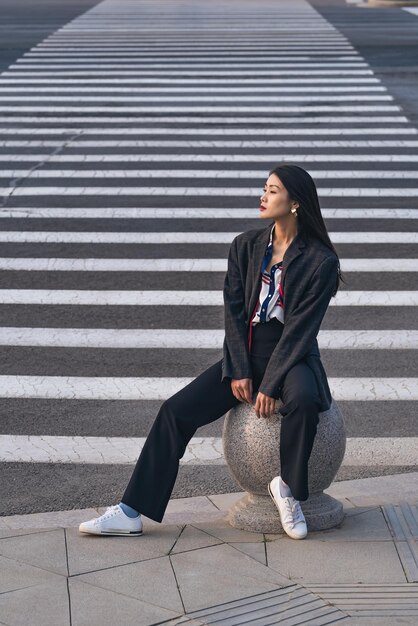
294,212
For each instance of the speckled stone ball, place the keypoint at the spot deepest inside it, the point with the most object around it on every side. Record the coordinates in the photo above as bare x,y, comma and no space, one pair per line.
252,451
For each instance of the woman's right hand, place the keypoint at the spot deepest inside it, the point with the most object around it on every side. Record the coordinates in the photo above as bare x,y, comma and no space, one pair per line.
242,389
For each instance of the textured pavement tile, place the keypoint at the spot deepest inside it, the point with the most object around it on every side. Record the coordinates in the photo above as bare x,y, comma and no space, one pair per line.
369,525
192,538
92,605
88,553
16,575
340,561
40,605
221,573
381,621
223,530
45,550
151,581
290,606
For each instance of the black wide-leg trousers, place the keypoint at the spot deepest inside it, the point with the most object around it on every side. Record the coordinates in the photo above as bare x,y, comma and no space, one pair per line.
204,400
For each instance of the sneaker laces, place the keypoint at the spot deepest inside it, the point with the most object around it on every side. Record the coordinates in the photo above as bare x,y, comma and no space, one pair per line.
294,511
110,512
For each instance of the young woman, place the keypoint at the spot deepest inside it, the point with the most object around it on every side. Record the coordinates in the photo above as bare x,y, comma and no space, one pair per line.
278,286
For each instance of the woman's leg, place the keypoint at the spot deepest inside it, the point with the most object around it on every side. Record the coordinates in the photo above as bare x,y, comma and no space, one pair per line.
298,427
201,402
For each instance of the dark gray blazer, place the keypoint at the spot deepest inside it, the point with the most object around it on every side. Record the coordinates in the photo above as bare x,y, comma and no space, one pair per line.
308,277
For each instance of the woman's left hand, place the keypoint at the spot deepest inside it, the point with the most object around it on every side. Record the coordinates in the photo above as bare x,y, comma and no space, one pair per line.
264,406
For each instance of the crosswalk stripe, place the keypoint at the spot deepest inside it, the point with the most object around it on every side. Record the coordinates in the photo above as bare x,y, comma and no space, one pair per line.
190,119
178,338
199,451
201,213
211,158
184,298
184,98
187,237
221,132
146,388
198,174
25,64
57,264
198,109
330,192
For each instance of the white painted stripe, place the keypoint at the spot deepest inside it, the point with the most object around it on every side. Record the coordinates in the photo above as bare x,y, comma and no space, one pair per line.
244,64
267,83
184,298
187,237
182,89
170,98
189,119
225,143
199,451
95,174
205,158
179,339
149,56
181,265
235,53
202,213
161,388
336,192
176,62
214,132
189,72
412,10
103,45
199,109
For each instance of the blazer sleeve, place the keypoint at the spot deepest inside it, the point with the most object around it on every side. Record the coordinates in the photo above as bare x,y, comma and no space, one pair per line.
236,338
302,327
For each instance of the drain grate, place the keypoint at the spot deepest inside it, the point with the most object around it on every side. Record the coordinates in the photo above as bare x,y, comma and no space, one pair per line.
286,606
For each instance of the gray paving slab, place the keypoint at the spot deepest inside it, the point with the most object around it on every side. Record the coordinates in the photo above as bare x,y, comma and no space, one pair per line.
192,538
223,530
219,574
151,581
17,575
368,525
88,553
51,519
340,561
92,605
46,550
256,551
44,604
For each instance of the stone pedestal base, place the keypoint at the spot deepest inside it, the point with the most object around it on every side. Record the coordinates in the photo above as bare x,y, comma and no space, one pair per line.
259,514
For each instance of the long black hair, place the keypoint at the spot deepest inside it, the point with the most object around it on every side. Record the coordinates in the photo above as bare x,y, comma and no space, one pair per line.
301,188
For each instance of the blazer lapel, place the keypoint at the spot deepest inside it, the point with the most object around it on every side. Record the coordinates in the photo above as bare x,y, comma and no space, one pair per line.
292,252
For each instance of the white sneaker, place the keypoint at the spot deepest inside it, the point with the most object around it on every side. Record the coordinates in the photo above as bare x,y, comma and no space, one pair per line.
113,522
291,515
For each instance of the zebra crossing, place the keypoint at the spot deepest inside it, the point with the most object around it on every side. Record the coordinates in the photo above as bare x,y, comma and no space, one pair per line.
134,144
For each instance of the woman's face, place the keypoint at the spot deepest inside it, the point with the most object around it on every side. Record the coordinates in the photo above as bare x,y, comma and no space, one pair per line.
275,199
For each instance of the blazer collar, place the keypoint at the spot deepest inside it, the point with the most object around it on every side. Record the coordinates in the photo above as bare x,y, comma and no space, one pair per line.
292,252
